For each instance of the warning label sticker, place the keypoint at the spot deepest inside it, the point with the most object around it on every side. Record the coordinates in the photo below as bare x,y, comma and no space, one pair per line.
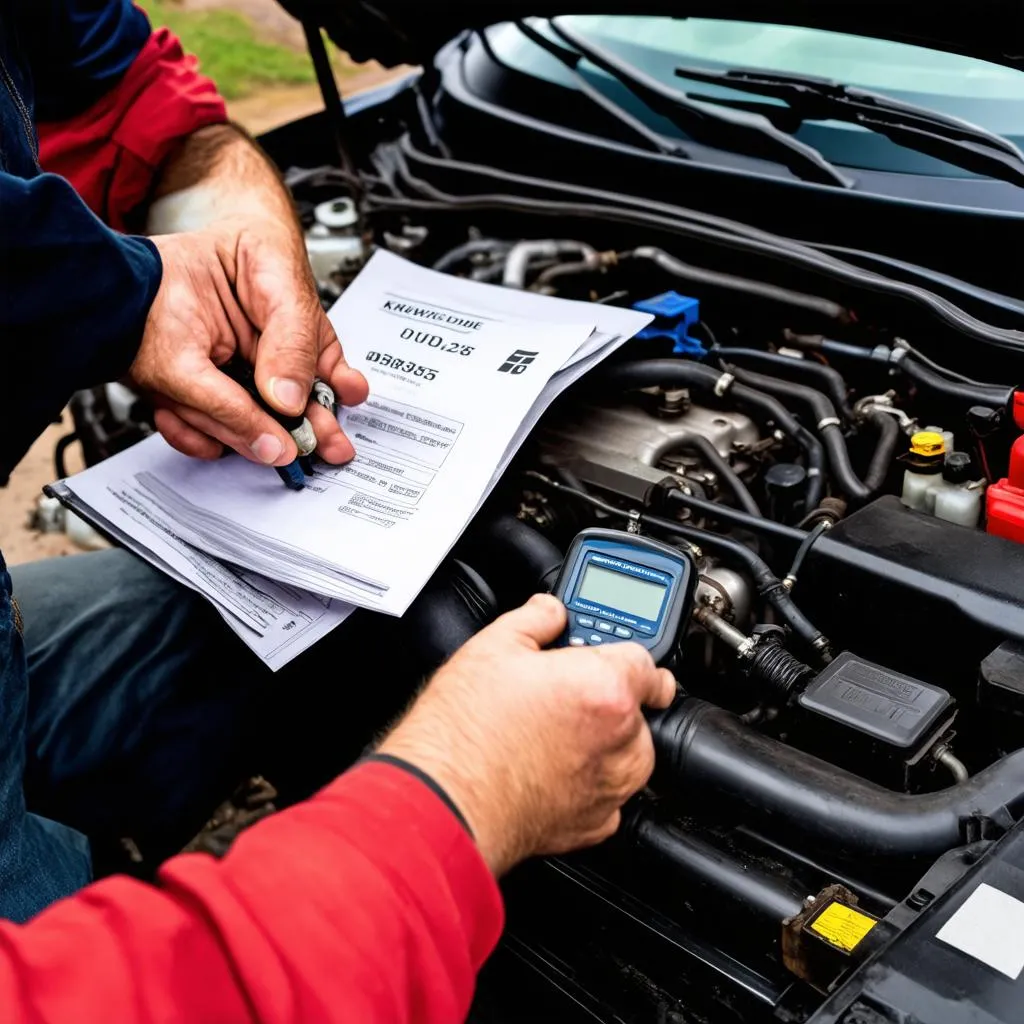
843,926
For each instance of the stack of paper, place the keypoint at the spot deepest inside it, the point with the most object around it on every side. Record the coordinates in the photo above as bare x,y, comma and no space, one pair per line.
459,374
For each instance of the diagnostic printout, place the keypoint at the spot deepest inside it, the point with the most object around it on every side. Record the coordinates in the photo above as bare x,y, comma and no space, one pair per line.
459,373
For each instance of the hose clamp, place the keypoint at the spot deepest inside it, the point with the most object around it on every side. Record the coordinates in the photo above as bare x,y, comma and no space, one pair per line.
723,384
633,525
829,421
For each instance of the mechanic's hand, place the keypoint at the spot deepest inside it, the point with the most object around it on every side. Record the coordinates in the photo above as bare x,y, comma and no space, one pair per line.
538,749
241,286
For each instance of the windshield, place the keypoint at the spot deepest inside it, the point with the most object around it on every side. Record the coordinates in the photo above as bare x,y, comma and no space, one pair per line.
987,94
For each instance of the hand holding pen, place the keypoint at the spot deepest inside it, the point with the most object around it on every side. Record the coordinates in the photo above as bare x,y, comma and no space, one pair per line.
301,430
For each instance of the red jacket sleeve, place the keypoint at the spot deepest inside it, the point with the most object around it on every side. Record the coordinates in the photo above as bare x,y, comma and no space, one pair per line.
370,903
111,152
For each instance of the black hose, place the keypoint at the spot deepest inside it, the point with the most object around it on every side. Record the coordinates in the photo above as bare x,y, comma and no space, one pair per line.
767,528
768,585
994,396
827,422
718,462
684,373
827,378
823,526
885,450
514,555
703,748
463,252
730,282
702,868
913,366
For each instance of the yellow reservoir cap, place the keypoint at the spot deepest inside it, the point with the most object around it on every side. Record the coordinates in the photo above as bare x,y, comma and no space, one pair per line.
927,442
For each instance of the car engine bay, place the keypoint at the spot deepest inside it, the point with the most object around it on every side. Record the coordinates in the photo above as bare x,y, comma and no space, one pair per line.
849,733
833,439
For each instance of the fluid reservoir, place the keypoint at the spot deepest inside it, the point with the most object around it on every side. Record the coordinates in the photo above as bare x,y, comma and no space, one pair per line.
959,499
924,470
1005,502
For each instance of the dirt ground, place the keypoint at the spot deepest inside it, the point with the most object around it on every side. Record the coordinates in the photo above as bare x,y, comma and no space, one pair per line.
259,113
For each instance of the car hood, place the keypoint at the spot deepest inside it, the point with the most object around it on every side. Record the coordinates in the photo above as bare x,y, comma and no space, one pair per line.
411,31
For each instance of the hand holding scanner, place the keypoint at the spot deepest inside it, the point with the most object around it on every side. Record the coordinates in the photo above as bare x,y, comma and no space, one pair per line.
620,587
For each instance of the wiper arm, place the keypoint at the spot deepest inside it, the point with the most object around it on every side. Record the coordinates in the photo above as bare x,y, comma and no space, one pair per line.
569,59
737,130
942,136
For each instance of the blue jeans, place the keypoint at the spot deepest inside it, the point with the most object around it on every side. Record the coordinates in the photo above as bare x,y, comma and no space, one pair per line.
129,722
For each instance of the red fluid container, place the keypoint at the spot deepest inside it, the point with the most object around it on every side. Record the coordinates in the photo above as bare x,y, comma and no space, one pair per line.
1005,499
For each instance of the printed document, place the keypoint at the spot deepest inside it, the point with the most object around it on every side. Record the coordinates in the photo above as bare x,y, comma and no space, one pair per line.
459,373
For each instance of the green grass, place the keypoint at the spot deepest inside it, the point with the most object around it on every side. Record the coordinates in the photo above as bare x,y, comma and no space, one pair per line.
229,51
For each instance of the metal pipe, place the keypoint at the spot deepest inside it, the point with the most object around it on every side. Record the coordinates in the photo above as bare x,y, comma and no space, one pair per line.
523,253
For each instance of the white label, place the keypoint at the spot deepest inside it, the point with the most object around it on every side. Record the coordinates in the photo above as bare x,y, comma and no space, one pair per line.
990,927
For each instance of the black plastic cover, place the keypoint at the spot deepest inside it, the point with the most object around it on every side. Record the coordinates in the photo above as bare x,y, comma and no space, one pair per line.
917,977
1001,681
885,705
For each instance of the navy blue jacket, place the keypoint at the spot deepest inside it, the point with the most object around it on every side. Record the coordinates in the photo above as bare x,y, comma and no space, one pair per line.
73,294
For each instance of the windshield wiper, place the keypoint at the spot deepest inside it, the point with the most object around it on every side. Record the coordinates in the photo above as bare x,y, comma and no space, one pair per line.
942,136
737,130
570,59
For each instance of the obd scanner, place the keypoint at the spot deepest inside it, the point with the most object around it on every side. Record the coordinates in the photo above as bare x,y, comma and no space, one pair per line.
621,587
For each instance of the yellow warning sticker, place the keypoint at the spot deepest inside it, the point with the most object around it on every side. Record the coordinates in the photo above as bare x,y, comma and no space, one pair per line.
842,926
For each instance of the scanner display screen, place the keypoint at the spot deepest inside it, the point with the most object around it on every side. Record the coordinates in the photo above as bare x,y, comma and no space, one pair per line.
627,594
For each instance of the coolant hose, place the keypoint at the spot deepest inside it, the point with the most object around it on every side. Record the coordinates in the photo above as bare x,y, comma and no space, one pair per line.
889,434
702,748
683,373
828,378
827,423
994,396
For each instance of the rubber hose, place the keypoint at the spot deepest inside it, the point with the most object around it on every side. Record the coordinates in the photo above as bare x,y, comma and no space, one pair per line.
885,450
767,528
703,748
685,373
831,433
730,282
827,378
703,868
718,462
970,394
513,553
768,585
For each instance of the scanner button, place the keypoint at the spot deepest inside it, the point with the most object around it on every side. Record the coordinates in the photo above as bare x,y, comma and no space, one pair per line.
623,632
595,638
584,622
576,641
605,627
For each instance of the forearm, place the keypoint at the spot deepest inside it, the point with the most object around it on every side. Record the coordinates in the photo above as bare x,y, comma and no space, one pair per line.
218,175
368,903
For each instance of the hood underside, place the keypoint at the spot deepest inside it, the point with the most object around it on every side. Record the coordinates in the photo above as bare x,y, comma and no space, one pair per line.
411,31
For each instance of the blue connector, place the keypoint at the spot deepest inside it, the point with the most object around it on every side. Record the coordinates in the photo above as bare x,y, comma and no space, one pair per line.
674,315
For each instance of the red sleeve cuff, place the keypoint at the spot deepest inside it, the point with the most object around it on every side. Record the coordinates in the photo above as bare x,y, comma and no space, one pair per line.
112,151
